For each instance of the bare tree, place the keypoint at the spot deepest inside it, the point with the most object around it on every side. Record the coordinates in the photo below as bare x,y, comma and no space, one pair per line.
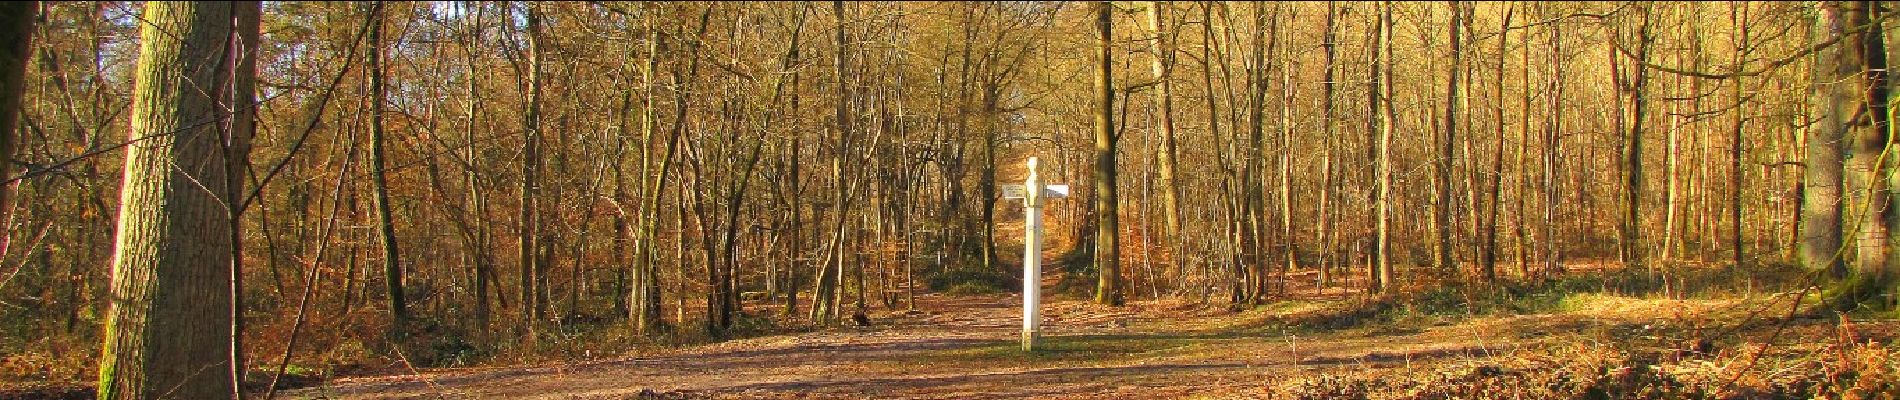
379,177
1164,47
529,235
1850,82
1107,235
1441,208
1632,83
1489,267
1381,99
831,274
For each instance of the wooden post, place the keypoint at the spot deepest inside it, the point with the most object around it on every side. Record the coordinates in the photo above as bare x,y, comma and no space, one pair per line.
1032,257
1032,191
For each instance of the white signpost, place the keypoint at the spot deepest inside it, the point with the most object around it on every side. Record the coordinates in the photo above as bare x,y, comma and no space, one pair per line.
1032,191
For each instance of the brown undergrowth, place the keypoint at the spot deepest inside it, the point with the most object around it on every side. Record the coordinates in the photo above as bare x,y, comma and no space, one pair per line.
1695,333
1579,368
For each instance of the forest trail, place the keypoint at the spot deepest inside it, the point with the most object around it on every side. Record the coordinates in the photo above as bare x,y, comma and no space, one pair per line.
965,347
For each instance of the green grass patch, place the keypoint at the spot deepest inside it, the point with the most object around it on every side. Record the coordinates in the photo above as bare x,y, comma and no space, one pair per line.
972,289
972,281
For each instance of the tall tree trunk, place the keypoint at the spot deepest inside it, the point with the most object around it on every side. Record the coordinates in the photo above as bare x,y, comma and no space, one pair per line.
1164,47
1231,225
1441,209
170,325
1864,75
1381,99
379,180
1326,159
795,248
647,284
247,21
828,294
17,36
1878,275
724,297
1851,89
986,187
625,240
1490,263
643,295
530,230
1287,92
1737,18
478,238
1553,149
1635,86
1255,196
1524,188
797,244
1107,208
992,131
1822,169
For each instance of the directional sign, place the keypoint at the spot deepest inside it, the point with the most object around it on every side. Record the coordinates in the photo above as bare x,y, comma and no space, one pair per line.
1055,191
1015,191
1049,191
1032,247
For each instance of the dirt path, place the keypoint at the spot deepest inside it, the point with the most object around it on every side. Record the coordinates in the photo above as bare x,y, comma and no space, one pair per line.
966,350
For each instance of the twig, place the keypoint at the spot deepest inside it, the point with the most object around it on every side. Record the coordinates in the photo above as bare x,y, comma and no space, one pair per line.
310,280
1793,307
316,117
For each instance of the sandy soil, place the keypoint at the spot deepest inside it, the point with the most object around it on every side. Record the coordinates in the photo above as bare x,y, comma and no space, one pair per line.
961,347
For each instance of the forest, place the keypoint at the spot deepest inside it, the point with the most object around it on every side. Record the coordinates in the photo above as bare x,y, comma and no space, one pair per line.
670,199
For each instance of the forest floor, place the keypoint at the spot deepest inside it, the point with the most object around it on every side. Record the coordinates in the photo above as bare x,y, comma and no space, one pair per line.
1546,344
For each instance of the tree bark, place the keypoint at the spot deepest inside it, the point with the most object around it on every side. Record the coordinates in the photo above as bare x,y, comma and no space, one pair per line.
1635,86
1164,47
1853,88
1878,275
530,228
1288,90
1864,75
797,244
1489,271
379,179
647,287
1107,235
1254,192
478,237
1231,225
170,325
1822,170
1326,158
17,36
828,294
724,297
1553,150
1737,16
1382,107
1441,209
